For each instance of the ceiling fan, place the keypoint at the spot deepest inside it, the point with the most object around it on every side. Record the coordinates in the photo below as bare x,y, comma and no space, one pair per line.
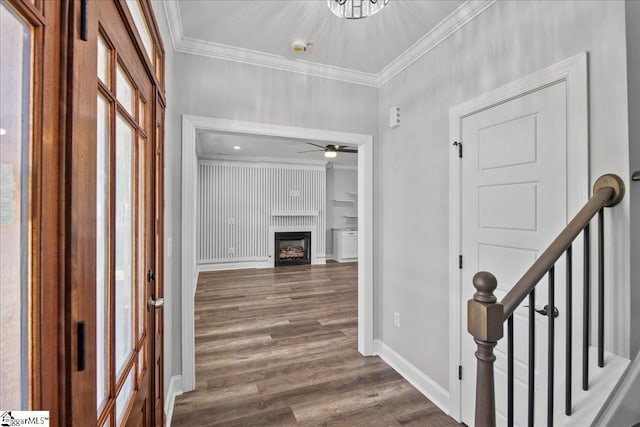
330,150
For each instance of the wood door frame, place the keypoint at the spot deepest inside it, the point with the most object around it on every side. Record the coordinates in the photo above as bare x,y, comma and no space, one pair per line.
572,71
46,347
189,272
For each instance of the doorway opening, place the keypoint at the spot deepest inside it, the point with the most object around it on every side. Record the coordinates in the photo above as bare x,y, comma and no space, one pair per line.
191,125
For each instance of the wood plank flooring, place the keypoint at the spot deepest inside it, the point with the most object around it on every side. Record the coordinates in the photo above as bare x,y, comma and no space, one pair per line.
277,347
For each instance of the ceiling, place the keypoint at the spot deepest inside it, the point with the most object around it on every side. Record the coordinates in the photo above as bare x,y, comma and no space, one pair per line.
269,26
219,145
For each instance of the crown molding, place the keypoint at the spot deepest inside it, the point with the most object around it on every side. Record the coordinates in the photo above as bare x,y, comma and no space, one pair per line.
457,19
174,20
464,14
276,62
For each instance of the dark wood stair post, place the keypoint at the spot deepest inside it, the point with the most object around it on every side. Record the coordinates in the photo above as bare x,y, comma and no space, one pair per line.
485,320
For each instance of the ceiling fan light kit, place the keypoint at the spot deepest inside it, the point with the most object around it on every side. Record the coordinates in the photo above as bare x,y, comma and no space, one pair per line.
330,150
355,9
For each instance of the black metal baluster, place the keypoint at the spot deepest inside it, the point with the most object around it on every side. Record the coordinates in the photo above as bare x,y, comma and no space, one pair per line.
569,333
510,371
601,288
586,307
551,349
532,357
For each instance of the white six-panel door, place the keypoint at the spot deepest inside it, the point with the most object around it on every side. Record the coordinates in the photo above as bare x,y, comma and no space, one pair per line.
513,203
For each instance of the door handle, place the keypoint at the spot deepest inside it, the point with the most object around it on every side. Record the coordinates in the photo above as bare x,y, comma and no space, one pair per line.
545,311
635,176
155,303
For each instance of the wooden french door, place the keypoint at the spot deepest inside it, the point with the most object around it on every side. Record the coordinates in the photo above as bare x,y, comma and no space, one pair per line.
116,209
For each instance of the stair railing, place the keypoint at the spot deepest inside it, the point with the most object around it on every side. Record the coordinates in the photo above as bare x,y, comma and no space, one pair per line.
486,316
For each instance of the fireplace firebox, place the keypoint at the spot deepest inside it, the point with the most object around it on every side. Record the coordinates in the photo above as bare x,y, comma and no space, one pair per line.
293,248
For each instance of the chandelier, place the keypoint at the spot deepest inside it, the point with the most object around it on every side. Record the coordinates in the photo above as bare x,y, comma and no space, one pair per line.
356,9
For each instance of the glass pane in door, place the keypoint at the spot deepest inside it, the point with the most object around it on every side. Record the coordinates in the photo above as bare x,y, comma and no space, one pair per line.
102,251
142,268
124,247
15,142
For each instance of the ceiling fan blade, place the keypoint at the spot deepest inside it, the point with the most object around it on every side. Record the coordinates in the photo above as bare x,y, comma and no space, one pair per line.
347,150
310,151
315,145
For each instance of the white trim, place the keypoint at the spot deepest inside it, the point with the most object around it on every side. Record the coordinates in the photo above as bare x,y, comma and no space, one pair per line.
425,385
275,62
174,20
174,389
278,161
295,213
464,14
573,71
206,266
189,267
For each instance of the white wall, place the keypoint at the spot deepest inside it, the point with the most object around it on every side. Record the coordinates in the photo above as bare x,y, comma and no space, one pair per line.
209,87
633,76
506,42
236,201
342,184
171,272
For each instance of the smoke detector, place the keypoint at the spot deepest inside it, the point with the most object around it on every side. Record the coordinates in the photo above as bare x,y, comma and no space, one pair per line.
300,46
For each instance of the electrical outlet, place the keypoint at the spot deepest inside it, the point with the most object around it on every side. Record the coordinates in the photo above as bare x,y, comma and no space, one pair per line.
232,221
396,319
232,251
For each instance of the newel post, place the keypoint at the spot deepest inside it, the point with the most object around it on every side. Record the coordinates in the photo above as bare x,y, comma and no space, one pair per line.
485,320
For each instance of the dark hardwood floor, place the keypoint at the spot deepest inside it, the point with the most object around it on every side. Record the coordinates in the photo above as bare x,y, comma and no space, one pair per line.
277,347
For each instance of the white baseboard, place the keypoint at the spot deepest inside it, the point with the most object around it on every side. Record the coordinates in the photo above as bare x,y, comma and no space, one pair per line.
175,389
425,385
241,265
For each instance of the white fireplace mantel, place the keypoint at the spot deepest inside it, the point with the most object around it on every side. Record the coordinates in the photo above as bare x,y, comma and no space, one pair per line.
294,213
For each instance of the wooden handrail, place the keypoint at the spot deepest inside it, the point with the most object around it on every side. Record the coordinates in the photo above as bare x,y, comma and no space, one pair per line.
608,192
486,316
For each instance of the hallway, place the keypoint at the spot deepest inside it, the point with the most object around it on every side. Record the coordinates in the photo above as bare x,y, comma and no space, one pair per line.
278,347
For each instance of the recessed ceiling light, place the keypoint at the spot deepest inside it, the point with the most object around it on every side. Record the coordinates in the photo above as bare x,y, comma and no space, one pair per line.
3,131
236,147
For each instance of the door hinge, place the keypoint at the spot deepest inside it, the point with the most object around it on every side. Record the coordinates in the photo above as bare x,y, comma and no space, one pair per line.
151,276
82,346
460,372
84,26
459,145
460,262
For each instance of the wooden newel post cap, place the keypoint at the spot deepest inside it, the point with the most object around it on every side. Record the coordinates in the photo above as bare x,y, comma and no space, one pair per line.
484,314
485,283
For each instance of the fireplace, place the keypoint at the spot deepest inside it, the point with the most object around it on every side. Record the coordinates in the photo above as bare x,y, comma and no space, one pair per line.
292,248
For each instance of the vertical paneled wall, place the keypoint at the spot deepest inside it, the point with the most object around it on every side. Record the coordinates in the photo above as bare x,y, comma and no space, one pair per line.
237,202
